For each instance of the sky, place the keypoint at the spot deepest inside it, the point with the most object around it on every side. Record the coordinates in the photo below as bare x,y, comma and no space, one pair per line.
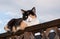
46,10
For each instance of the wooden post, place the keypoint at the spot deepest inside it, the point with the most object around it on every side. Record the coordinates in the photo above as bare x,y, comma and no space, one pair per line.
59,33
28,35
48,31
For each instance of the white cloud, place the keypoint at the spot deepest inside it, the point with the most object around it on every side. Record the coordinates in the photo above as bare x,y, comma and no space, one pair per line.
13,14
45,8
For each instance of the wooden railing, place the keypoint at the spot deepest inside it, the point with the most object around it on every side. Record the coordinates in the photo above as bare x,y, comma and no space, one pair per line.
36,28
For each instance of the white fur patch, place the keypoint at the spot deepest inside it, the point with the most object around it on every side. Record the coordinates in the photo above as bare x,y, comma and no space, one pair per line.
31,21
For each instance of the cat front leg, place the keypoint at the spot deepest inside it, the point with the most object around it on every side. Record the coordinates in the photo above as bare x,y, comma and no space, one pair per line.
22,26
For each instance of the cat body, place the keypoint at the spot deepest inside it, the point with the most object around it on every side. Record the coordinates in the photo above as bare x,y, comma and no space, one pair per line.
29,18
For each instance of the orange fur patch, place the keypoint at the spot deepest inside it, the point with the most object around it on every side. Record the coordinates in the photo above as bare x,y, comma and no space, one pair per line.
23,25
32,16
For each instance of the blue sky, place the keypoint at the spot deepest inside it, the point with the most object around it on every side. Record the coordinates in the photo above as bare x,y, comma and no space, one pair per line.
46,10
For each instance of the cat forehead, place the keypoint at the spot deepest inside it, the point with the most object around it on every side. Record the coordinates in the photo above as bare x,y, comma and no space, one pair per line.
27,12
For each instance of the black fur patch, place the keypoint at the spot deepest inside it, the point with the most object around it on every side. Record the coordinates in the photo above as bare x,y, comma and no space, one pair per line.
14,22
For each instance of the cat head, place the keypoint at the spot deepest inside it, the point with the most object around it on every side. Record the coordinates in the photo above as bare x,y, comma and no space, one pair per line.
29,14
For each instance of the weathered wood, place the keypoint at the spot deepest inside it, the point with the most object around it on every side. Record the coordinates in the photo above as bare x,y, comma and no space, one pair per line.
35,28
44,26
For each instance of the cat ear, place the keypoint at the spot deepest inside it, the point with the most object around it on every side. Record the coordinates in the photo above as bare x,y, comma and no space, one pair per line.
22,10
33,9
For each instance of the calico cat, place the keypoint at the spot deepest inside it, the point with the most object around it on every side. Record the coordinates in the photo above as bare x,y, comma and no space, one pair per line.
29,18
